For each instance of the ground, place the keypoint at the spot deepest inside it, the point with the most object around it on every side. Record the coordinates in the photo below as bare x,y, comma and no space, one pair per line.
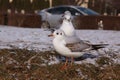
21,64
27,53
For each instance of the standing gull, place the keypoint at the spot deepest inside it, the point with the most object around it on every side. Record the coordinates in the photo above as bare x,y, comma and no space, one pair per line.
68,28
67,25
72,50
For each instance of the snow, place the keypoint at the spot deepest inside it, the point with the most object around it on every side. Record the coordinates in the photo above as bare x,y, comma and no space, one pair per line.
37,39
24,38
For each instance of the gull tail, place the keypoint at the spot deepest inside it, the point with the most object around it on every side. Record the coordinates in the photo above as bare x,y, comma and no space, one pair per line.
98,46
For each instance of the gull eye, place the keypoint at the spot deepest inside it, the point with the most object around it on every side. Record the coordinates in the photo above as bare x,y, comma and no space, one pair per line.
57,33
65,19
69,19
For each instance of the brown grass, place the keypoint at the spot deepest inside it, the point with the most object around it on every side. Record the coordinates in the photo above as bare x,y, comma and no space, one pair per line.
22,64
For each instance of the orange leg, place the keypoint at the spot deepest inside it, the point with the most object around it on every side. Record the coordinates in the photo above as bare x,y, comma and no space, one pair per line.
65,65
72,60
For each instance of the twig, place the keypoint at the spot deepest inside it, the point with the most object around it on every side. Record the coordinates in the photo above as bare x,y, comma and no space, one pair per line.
29,61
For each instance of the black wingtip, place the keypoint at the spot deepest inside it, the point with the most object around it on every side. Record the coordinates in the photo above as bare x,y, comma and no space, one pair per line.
98,46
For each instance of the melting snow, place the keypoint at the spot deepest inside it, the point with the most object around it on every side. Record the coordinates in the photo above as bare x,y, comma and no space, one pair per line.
37,39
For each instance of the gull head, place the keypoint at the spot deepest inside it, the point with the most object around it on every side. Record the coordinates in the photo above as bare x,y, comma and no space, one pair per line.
58,34
67,16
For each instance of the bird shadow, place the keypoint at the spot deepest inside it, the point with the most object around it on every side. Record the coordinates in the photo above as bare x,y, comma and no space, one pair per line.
83,57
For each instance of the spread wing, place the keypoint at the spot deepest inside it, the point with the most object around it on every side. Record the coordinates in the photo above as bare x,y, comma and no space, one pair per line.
78,47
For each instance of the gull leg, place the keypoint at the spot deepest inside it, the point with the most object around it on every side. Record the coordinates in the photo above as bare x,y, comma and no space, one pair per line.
65,65
72,60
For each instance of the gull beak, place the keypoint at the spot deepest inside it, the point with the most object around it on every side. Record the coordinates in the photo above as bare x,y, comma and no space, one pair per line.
63,15
50,35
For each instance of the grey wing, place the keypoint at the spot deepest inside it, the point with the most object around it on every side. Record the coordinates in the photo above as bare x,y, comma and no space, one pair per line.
72,39
78,46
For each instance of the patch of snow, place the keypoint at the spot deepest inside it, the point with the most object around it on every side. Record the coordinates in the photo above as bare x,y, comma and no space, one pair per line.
37,39
53,60
24,38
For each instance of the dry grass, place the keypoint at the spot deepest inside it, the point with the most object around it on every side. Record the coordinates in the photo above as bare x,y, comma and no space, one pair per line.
17,64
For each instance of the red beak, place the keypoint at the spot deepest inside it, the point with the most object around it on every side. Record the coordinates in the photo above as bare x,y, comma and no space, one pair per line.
50,35
63,15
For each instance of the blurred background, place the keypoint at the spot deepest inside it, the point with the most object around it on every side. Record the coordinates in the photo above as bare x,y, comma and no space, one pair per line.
23,12
106,7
